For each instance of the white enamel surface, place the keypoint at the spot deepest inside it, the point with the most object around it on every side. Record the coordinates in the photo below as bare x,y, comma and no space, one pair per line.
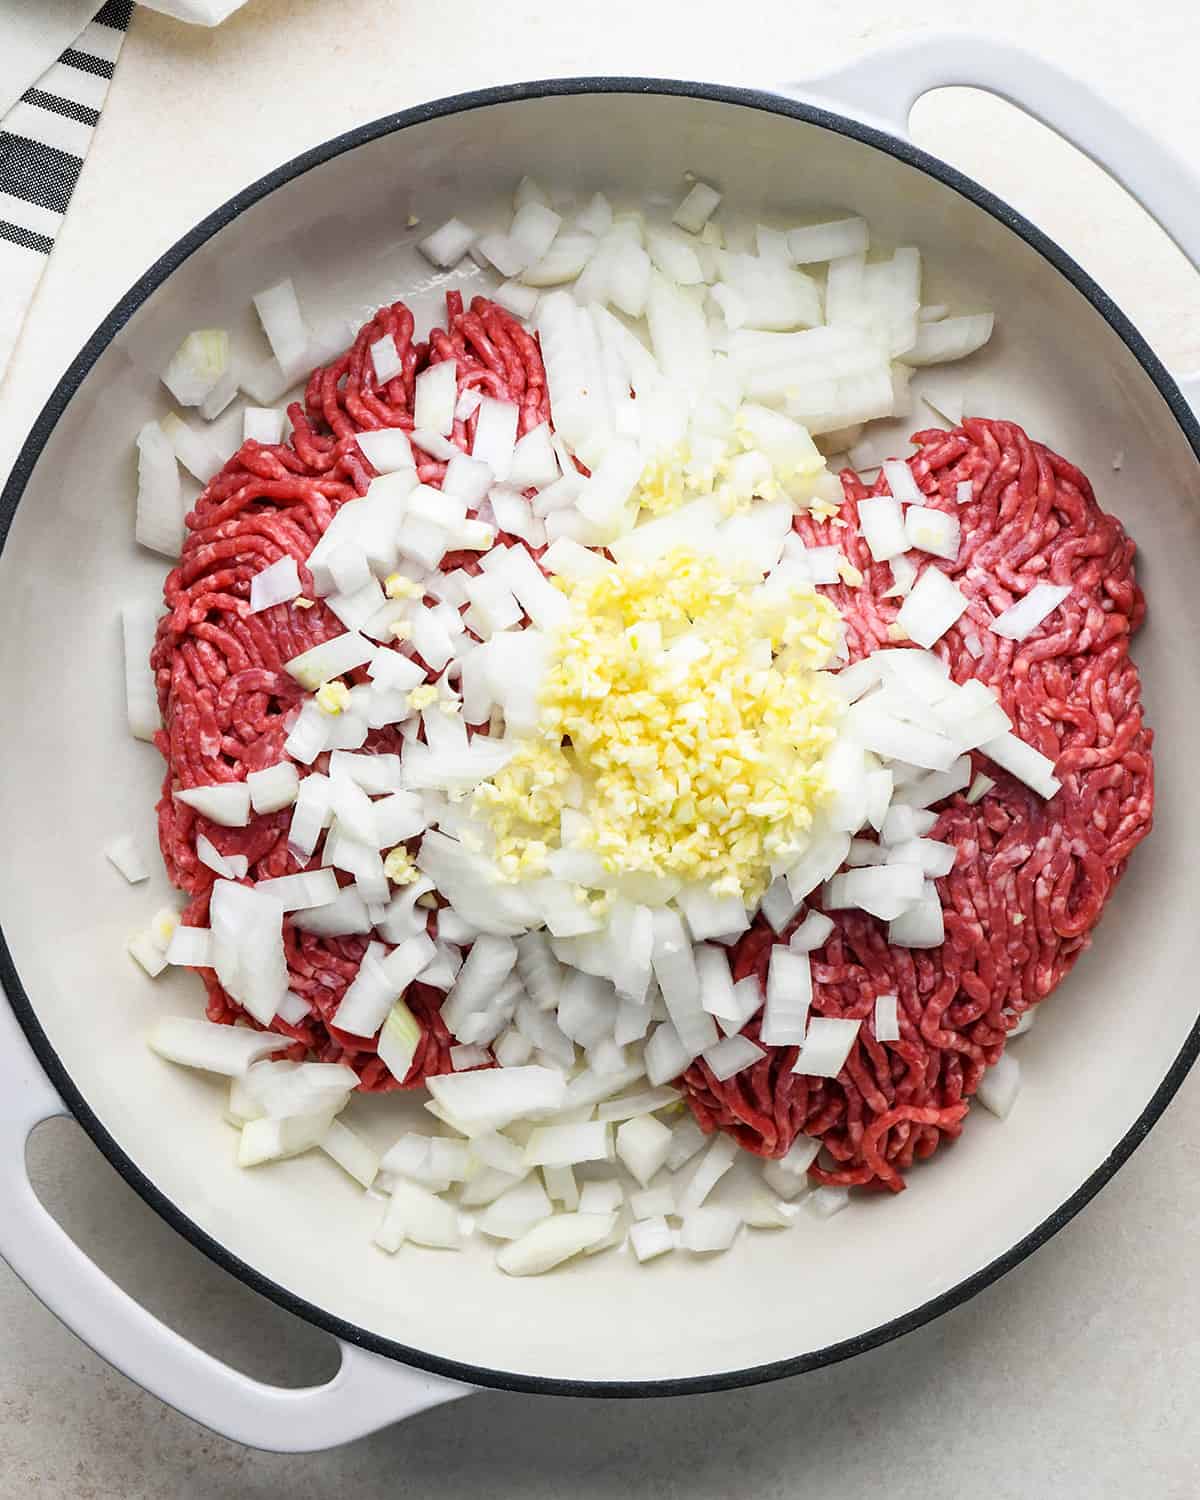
1054,366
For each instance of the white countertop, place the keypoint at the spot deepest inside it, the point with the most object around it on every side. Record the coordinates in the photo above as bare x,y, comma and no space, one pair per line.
1075,1375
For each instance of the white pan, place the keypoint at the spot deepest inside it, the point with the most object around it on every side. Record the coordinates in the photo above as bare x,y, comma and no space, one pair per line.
1108,1051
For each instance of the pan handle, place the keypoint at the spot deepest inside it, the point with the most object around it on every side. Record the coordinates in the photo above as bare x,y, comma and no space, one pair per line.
882,88
368,1391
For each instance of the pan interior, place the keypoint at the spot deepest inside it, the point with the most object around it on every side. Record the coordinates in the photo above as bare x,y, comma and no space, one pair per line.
74,779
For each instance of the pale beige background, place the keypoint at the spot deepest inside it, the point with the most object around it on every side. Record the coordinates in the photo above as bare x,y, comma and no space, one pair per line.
1077,1376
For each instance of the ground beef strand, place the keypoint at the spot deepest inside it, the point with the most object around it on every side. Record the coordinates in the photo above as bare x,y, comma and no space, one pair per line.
1031,877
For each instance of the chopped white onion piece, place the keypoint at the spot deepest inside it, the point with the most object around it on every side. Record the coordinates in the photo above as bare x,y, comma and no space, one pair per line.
827,1044
464,1057
980,787
904,575
789,994
552,1241
330,659
160,509
887,1021
1000,1085
248,956
533,229
715,1162
934,531
273,788
812,933
276,584
283,323
493,1098
139,624
385,359
964,492
217,1049
882,523
949,338
435,396
263,424
885,891
197,365
1023,762
698,206
447,245
351,1152
643,1144
651,1237
827,1201
190,947
399,1038
414,1213
706,1230
922,925
931,608
124,855
788,1175
730,1056
387,451
299,892
817,242
226,802
675,969
1021,619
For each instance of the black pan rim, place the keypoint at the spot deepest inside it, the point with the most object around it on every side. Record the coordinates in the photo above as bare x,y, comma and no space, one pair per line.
901,150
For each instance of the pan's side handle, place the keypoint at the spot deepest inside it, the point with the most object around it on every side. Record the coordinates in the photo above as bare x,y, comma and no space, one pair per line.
881,89
368,1391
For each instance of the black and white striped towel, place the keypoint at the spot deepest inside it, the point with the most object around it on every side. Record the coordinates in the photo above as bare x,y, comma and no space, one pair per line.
43,140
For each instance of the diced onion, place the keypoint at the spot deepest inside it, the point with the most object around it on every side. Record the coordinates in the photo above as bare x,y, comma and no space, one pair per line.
949,338
190,947
552,1241
643,1144
276,584
1000,1085
385,359
226,802
882,523
887,1023
715,1162
283,323
980,787
263,424
217,1049
159,525
698,206
706,1230
934,531
1023,762
817,242
730,1056
827,1044
447,245
651,1237
273,788
931,608
124,855
1021,619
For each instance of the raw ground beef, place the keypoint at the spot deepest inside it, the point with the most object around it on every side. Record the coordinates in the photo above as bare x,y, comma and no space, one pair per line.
222,688
1031,877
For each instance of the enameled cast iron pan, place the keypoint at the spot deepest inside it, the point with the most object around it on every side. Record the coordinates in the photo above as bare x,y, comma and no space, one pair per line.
1109,1049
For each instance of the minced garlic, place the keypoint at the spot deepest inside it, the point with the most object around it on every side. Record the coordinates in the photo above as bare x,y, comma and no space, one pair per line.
693,707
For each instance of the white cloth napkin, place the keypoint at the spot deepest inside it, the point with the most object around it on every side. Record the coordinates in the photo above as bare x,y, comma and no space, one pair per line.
56,62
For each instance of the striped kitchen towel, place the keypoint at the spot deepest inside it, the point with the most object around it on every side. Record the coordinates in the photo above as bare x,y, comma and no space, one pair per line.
43,140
